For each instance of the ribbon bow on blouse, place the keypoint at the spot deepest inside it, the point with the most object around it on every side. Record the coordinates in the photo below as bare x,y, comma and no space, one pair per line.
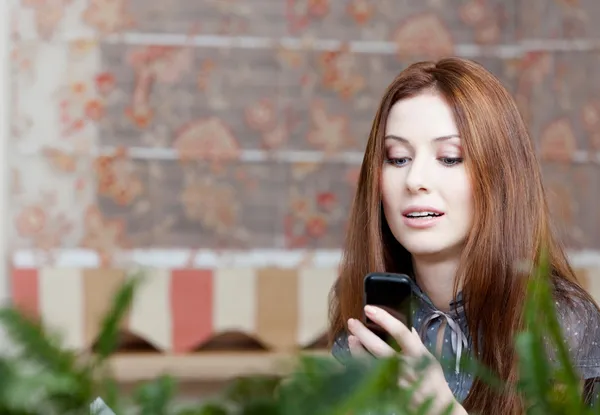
458,338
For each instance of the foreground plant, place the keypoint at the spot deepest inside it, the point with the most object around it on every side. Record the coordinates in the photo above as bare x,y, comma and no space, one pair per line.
41,377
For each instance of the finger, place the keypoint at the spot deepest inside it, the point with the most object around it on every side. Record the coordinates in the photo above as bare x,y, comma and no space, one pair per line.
356,348
369,340
410,343
407,368
404,383
408,386
424,350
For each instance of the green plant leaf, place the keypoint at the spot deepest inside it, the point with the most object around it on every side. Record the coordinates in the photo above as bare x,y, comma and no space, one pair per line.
249,389
206,409
108,336
535,376
425,407
155,397
36,343
261,407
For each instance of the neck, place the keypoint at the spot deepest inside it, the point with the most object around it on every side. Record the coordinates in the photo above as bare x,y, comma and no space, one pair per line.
436,278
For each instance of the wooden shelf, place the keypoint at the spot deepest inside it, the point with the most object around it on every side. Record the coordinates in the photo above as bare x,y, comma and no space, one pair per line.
203,366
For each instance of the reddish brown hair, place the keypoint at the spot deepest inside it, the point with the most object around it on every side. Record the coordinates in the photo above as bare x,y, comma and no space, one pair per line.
511,218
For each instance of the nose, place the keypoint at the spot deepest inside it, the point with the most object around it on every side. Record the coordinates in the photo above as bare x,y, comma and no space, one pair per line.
418,177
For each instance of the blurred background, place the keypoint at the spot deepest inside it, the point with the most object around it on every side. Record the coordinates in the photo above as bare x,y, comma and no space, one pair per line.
216,144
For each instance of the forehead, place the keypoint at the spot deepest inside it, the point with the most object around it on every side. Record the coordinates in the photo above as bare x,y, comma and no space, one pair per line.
424,116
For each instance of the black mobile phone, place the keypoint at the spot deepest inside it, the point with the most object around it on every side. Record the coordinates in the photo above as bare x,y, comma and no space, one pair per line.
391,292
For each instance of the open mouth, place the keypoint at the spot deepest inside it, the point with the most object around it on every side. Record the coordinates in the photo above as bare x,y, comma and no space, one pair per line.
423,215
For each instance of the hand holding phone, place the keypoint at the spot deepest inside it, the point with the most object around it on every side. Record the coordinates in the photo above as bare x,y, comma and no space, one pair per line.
391,292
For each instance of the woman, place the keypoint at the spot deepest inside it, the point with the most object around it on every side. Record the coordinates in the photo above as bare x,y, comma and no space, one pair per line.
450,193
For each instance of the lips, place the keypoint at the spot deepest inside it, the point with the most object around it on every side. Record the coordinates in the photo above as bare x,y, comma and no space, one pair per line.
421,217
421,212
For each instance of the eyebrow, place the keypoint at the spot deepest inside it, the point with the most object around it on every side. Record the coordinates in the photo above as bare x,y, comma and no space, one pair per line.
404,140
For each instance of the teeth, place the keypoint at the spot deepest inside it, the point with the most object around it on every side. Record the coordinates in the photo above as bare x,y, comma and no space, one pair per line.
422,214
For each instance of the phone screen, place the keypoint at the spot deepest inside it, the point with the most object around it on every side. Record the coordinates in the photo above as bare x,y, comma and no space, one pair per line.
392,293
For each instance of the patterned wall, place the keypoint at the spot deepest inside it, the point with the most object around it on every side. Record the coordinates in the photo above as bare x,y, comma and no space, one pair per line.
231,124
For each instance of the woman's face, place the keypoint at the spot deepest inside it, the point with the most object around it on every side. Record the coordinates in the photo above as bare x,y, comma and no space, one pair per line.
427,199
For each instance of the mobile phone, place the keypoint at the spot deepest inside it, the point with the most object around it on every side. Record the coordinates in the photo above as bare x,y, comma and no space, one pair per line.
391,292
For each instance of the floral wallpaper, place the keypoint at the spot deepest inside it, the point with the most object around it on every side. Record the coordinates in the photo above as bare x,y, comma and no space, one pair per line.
232,124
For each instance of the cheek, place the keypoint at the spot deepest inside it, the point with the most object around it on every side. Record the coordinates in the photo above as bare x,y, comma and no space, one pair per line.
458,189
391,188
464,192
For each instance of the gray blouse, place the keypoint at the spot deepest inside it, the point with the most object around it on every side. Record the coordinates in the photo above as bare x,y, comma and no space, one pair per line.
580,324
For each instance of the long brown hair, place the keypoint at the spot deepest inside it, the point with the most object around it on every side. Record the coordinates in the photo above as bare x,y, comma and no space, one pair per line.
511,219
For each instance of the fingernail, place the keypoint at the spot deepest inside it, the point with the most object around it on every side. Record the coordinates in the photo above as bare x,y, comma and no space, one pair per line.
370,310
350,322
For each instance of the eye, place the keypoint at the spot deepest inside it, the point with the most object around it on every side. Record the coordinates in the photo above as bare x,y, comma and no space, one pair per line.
450,161
398,162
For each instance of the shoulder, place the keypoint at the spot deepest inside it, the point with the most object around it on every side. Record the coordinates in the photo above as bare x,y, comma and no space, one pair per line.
340,349
576,309
579,318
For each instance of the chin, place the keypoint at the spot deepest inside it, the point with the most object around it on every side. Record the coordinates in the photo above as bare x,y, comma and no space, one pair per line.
425,251
421,248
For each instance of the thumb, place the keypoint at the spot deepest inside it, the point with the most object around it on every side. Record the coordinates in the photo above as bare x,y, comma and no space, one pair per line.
414,333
